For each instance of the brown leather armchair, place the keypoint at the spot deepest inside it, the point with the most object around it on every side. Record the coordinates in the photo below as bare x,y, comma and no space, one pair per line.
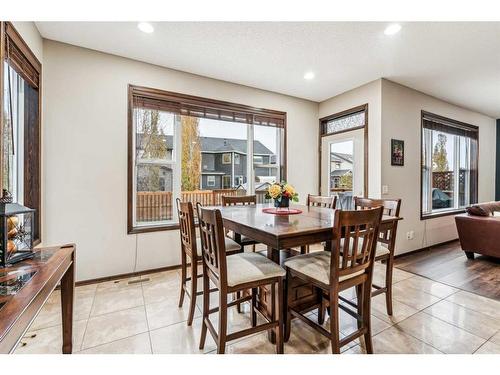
479,230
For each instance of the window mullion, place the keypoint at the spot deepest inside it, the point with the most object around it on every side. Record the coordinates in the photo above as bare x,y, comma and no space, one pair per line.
177,156
456,167
250,167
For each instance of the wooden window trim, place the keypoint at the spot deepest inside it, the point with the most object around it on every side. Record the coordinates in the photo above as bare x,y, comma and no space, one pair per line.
474,189
186,105
26,64
322,133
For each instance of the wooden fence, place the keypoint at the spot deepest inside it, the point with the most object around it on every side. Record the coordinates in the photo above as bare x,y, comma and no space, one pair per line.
159,205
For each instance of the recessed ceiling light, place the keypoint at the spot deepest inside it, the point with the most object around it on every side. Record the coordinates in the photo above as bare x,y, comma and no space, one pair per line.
392,29
309,75
145,27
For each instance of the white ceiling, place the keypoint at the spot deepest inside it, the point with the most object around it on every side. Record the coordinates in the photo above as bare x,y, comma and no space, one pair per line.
457,62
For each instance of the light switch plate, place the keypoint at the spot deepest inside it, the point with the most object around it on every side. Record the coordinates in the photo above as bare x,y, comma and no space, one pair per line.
385,189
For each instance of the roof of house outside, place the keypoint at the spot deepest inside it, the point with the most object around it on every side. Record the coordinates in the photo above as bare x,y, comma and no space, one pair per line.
213,144
339,156
339,172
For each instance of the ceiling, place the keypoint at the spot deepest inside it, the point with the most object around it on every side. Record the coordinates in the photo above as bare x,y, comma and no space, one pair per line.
457,62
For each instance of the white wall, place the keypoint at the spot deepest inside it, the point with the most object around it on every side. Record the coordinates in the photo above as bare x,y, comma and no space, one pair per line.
85,153
401,119
371,94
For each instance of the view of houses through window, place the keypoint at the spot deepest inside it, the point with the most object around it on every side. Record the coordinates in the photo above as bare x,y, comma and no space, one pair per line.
199,160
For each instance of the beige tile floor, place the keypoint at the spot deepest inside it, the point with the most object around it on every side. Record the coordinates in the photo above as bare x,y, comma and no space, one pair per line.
143,317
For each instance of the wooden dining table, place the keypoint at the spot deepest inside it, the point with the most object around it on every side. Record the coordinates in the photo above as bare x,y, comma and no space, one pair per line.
281,233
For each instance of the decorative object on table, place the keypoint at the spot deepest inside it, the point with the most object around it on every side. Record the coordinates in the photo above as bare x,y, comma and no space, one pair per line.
16,233
397,152
282,193
278,211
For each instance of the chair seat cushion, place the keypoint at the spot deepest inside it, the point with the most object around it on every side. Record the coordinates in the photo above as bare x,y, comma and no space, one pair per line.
382,250
247,267
231,245
316,266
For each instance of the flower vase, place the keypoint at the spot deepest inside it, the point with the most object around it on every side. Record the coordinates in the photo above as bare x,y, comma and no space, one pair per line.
282,203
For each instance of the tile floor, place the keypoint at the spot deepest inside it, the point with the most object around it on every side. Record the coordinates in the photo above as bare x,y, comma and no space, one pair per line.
140,315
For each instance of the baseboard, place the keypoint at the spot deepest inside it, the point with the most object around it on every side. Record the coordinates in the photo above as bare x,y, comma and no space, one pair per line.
427,248
171,268
126,275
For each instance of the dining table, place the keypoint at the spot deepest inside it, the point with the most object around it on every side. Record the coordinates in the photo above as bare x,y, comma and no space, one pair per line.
281,234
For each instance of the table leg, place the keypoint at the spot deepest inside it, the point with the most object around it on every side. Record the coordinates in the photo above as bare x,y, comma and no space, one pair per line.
67,299
274,255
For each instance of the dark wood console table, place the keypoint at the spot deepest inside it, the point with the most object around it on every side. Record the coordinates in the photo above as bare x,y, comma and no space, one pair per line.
24,288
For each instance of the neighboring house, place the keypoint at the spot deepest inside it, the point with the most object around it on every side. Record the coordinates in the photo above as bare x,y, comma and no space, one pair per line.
340,164
223,165
224,162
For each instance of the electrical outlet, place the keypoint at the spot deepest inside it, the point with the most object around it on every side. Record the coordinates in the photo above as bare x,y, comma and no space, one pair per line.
385,189
410,235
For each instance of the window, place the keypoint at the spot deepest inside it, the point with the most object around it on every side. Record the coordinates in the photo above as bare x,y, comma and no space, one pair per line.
449,165
226,182
181,146
258,160
208,161
156,164
238,181
226,158
20,123
345,122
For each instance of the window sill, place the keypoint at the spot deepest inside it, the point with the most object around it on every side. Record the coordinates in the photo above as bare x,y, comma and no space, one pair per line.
442,214
156,228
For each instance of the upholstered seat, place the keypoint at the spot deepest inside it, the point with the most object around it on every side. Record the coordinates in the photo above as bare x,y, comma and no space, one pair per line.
248,267
231,245
316,265
382,250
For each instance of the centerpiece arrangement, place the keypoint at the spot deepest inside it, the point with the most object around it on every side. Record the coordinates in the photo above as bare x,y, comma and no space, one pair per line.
282,193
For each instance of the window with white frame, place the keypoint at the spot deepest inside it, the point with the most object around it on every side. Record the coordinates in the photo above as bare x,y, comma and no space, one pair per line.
226,158
175,138
258,159
449,165
210,180
156,165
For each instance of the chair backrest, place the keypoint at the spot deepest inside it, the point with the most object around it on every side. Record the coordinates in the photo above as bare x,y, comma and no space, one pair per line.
319,201
355,234
391,208
187,228
213,248
244,200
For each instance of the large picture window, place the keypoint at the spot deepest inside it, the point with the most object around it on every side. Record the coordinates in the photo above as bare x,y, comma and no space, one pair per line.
20,73
196,149
449,165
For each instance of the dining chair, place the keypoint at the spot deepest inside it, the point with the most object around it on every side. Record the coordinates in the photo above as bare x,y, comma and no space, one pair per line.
234,274
318,201
241,200
349,264
191,248
386,242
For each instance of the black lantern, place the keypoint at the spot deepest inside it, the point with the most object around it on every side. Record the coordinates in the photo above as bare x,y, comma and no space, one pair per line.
16,233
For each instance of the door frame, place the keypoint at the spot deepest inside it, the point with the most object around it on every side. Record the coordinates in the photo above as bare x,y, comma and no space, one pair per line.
322,133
